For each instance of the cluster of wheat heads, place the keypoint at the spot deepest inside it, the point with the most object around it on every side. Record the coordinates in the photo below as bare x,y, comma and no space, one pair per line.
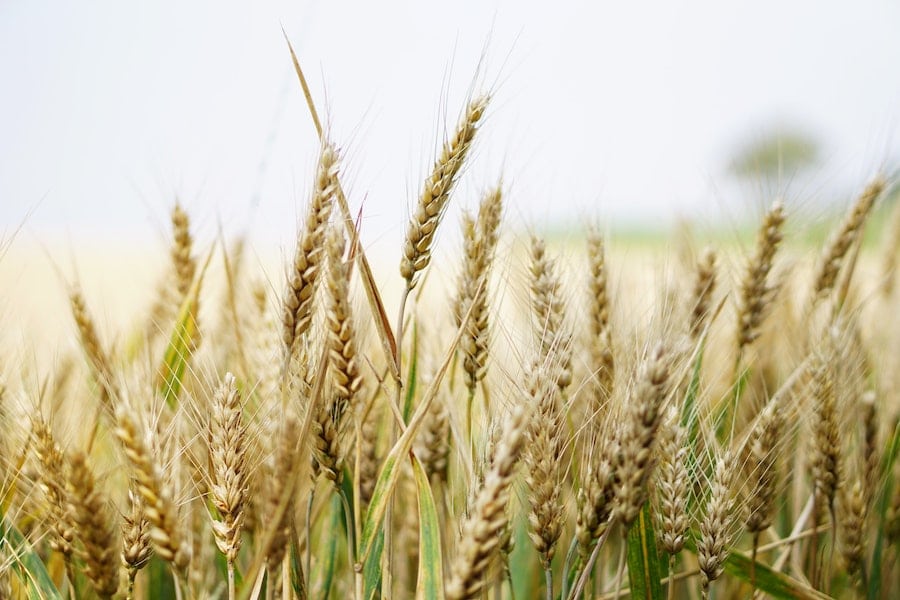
740,441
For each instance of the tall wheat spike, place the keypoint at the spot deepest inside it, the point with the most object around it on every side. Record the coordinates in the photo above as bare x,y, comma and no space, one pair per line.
299,293
436,192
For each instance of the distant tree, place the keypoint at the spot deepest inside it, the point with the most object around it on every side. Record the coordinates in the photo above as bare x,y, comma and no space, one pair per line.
780,153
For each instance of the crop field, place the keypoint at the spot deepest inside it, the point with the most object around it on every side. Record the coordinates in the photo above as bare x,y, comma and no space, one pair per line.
517,417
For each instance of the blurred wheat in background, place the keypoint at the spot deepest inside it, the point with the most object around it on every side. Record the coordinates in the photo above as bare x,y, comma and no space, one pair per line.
527,415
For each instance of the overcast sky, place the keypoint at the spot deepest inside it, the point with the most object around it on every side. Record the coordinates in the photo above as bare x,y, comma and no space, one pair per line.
626,110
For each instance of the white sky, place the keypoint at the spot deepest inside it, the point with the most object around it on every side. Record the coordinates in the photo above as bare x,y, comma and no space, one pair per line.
627,110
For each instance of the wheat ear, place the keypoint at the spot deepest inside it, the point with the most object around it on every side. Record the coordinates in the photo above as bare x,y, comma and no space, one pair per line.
638,436
543,458
602,360
756,291
93,522
672,479
825,450
228,490
436,192
184,263
701,297
548,307
299,294
846,235
870,443
480,531
852,519
136,548
53,485
762,450
159,508
284,461
90,342
479,244
433,448
343,362
716,530
595,497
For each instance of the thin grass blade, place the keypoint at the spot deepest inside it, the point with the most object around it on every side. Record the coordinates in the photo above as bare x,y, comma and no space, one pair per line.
643,558
390,473
181,343
26,563
884,502
430,578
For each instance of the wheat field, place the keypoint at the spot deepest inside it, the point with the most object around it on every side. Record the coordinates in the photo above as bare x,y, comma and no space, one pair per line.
519,419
